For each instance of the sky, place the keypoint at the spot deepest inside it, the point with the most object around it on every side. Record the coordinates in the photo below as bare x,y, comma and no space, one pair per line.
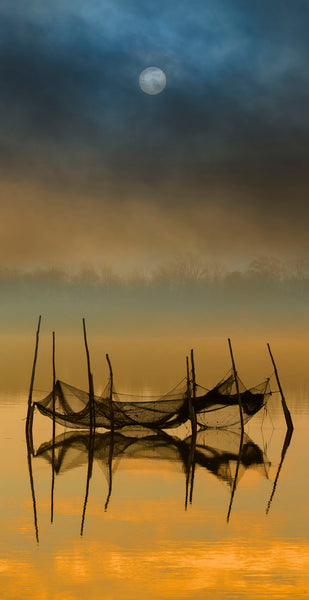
94,172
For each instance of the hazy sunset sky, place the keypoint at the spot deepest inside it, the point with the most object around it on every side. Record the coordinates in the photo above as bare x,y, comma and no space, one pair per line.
94,171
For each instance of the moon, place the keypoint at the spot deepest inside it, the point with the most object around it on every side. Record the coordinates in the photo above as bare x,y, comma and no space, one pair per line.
152,80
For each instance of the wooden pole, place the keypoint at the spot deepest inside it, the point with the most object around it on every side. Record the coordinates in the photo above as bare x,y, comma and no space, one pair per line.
91,430
286,411
90,380
192,415
194,425
237,387
29,411
54,433
112,425
189,410
241,435
111,392
189,391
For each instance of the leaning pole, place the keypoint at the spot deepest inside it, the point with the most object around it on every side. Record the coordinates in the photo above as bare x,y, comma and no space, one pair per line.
30,407
286,411
237,387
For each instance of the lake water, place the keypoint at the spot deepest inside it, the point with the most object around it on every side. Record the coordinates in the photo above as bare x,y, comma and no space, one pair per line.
150,541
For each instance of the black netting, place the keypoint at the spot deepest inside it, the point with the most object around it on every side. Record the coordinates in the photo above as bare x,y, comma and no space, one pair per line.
218,407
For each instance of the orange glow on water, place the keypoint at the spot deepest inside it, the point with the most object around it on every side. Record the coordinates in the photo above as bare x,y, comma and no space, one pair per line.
173,572
146,545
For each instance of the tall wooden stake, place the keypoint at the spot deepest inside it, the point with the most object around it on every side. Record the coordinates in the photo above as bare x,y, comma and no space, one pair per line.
54,433
29,411
194,424
91,430
90,380
286,411
111,375
192,414
189,409
112,425
237,388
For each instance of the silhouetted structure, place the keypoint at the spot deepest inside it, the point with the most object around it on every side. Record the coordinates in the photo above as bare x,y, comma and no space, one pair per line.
218,407
137,428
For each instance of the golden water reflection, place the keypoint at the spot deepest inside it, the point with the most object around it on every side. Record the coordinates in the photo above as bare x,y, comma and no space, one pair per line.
253,569
149,547
146,546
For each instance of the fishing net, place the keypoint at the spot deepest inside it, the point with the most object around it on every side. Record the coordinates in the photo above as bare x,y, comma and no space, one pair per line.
73,408
218,407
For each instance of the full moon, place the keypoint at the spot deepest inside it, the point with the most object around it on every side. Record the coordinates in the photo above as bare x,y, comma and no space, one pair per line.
152,80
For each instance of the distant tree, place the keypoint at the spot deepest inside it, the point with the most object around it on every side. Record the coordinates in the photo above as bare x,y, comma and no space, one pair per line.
268,268
188,269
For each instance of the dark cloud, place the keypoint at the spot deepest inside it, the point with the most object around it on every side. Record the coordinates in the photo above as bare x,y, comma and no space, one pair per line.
230,130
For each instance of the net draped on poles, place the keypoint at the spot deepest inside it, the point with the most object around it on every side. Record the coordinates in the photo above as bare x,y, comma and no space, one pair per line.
216,408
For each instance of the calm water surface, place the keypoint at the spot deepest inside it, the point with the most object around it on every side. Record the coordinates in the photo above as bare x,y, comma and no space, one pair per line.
146,543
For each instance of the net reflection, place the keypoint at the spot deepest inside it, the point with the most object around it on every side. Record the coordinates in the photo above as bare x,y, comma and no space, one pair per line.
225,454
